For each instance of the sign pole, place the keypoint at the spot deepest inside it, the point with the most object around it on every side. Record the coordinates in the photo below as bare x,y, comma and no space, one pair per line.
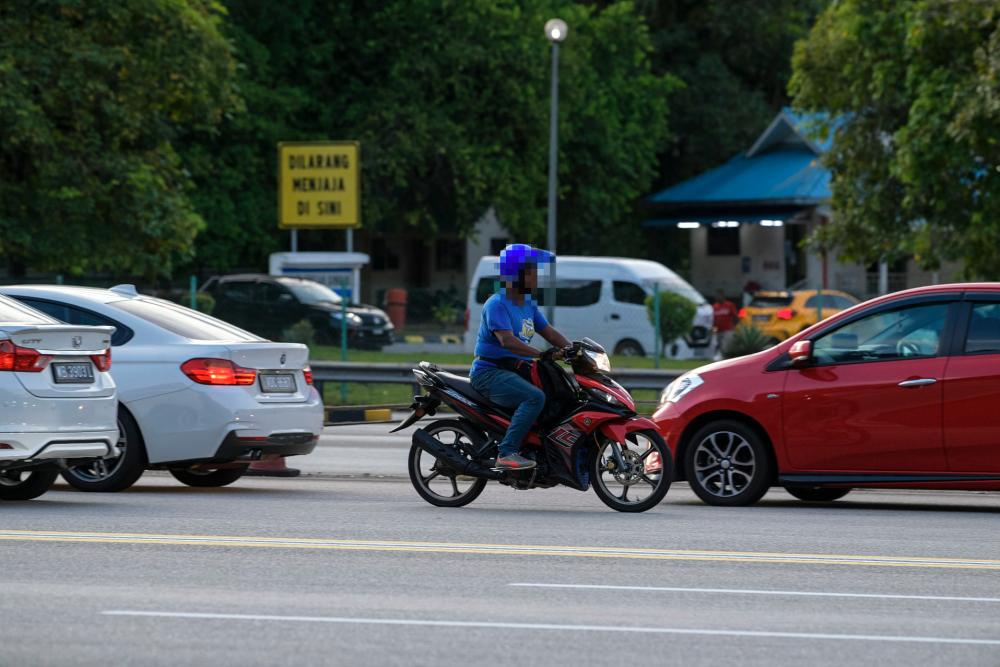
295,240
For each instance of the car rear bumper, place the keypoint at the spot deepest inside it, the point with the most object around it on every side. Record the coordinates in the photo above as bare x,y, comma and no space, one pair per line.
238,447
37,449
189,426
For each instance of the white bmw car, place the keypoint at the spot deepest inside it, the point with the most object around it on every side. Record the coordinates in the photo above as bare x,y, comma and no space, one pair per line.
198,397
57,399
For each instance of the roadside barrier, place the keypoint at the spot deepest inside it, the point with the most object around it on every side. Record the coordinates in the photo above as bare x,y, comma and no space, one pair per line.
360,413
349,371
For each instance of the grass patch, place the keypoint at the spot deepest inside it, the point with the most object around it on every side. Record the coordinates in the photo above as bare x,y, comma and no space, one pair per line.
360,393
329,353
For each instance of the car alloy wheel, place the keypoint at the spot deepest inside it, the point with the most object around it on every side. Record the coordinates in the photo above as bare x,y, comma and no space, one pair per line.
101,469
729,463
724,463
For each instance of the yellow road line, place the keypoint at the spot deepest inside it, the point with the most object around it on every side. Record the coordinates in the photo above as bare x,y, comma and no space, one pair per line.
496,549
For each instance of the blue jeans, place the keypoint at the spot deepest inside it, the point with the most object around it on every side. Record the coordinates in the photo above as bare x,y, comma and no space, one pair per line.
510,390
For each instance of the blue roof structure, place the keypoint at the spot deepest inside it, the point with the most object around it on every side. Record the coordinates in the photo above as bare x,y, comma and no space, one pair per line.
779,175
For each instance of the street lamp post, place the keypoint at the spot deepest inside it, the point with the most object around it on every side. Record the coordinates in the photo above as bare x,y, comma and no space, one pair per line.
556,31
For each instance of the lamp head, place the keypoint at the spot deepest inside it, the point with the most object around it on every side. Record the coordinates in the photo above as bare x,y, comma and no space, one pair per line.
556,30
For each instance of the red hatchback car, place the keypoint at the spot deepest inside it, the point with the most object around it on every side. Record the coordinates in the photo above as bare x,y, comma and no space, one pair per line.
902,391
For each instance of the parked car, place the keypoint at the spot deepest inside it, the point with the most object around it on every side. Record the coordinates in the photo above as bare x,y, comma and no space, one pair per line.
604,298
198,396
269,305
781,315
901,391
59,401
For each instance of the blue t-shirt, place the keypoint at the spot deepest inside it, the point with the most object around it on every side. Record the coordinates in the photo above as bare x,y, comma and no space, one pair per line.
501,313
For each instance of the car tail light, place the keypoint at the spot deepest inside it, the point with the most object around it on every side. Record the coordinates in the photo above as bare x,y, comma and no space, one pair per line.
307,372
466,319
785,314
218,372
102,361
743,313
22,359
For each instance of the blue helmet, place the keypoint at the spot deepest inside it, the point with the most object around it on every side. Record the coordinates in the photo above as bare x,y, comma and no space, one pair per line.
517,256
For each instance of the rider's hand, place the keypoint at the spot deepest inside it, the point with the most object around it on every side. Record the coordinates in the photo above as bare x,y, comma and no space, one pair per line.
552,354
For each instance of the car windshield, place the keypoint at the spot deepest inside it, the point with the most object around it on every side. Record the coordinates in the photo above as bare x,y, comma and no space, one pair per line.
184,321
771,301
12,312
310,292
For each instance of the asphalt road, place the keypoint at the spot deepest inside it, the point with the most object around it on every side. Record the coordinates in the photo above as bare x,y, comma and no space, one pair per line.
328,570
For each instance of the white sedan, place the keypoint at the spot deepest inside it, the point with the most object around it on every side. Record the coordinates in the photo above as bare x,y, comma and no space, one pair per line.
198,397
58,399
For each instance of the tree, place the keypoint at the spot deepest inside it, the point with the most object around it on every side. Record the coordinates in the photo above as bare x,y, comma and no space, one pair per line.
93,95
450,101
734,61
676,315
911,93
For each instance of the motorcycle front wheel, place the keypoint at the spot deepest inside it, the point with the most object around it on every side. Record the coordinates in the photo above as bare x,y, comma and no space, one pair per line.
645,478
433,478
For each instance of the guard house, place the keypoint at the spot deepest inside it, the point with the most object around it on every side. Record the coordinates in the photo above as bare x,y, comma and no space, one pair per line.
747,219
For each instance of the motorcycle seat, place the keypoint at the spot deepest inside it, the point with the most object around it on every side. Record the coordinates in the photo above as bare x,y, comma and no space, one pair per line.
463,385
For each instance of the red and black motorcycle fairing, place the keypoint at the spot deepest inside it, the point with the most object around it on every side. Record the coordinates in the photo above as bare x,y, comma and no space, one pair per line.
561,442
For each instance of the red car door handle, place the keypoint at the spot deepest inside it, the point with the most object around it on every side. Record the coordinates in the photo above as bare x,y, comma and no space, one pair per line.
919,382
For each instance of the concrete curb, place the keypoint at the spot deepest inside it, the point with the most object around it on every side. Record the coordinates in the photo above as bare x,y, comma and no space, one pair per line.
339,415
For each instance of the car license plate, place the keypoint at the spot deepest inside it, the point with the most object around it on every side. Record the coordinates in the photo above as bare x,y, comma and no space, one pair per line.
761,318
73,373
277,383
378,332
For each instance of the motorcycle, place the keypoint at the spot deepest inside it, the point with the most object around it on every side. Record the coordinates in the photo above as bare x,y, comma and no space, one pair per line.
588,433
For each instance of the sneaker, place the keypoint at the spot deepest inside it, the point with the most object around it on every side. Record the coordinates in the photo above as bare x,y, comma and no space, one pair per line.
514,462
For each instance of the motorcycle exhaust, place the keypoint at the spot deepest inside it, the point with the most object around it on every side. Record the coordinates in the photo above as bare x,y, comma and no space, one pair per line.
454,459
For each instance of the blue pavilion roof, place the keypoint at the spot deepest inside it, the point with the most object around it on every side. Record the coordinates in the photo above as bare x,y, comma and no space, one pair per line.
782,169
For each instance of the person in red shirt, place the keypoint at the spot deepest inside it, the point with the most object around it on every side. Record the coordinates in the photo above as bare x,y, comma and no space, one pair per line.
726,318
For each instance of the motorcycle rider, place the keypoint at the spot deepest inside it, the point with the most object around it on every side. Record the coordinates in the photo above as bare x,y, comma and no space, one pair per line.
510,320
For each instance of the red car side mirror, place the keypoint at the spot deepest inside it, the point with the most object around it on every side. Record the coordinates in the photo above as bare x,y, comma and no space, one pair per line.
800,353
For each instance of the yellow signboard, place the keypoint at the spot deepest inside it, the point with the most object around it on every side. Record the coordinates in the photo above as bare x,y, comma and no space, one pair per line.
319,184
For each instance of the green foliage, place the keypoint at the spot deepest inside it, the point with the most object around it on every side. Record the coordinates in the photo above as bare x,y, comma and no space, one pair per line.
204,302
93,96
450,103
676,315
734,61
302,331
746,339
915,89
445,313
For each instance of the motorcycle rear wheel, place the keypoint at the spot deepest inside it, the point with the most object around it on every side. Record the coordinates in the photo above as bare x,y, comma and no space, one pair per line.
636,450
430,475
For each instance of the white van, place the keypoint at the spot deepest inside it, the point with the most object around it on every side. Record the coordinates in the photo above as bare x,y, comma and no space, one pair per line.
604,298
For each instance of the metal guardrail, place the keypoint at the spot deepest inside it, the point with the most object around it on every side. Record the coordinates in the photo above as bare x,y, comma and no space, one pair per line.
350,371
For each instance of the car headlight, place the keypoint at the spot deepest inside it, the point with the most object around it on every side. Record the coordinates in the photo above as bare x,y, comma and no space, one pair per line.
352,318
680,388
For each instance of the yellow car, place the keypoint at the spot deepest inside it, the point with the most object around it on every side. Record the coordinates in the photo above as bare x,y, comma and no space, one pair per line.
783,314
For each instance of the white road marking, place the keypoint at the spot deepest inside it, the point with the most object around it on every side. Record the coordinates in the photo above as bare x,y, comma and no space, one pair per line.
496,625
750,591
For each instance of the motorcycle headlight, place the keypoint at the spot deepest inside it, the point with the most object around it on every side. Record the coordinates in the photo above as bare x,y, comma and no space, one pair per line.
606,397
680,388
600,360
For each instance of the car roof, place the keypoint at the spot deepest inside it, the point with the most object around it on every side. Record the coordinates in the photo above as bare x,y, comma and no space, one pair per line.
243,276
96,294
643,269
